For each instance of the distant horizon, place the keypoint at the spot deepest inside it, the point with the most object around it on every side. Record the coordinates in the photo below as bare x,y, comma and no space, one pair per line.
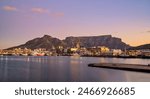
23,20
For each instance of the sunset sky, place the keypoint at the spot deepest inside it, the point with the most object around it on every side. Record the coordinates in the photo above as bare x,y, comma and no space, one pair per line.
23,20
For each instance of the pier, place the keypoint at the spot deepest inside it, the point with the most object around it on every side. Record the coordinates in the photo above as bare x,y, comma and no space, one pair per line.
121,66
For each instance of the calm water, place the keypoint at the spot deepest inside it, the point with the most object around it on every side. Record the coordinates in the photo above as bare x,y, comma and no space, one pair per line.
64,68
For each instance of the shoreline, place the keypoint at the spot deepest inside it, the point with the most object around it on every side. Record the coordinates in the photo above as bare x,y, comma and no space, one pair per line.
125,57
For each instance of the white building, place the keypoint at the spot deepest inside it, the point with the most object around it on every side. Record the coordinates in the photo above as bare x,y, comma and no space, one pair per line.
116,52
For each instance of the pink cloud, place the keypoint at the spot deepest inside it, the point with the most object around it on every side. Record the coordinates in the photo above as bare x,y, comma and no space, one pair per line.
57,14
9,8
39,10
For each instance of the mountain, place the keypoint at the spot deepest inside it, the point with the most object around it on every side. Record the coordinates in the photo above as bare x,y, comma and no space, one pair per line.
90,41
145,46
49,42
46,41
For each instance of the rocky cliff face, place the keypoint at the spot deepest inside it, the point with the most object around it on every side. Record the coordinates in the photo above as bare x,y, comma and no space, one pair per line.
49,42
90,41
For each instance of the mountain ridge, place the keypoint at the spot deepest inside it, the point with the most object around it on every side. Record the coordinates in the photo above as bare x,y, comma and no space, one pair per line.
49,42
143,46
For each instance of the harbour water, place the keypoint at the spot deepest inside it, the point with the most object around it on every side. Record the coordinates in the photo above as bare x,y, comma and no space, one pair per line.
66,69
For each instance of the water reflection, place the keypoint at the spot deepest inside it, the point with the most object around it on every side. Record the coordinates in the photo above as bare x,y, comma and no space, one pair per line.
5,68
74,68
63,68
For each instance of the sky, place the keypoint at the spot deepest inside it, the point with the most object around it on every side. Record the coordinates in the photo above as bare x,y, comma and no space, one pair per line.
23,20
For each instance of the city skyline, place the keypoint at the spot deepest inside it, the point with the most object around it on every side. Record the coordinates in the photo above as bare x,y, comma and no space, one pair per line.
24,20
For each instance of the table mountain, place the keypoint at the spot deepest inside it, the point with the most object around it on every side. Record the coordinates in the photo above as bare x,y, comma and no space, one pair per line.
49,42
90,41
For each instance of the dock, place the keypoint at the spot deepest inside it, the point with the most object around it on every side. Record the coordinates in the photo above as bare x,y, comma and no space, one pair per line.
121,66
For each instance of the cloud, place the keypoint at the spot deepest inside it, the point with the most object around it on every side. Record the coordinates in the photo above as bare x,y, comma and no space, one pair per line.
39,10
9,8
148,31
57,14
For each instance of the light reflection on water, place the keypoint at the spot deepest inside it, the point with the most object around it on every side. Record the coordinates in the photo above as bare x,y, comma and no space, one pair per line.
64,68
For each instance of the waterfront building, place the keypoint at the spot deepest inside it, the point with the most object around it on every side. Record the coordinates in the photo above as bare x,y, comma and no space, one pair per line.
116,52
74,49
145,52
133,52
103,49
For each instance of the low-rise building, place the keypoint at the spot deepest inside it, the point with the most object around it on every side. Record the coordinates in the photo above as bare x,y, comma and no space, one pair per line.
74,49
145,52
103,49
116,52
134,52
